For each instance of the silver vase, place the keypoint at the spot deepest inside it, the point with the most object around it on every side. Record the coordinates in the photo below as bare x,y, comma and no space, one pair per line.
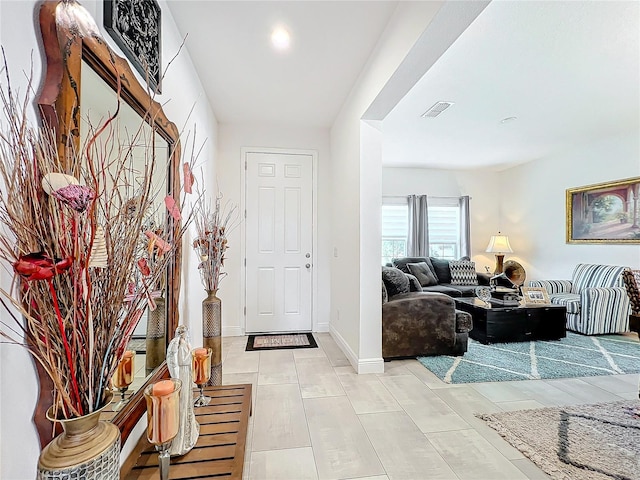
88,449
212,334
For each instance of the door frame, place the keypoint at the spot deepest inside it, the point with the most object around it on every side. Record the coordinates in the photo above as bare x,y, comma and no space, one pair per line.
244,151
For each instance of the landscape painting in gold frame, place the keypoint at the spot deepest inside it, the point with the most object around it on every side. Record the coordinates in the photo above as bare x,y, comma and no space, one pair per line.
604,212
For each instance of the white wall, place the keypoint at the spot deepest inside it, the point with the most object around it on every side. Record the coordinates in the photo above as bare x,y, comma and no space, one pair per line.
534,210
20,36
355,206
232,138
481,185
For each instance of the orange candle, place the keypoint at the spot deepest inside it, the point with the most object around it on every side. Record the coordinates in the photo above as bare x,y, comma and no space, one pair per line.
201,365
163,413
123,375
163,387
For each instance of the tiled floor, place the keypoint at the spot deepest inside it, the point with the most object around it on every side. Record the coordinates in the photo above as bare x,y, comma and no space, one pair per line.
314,418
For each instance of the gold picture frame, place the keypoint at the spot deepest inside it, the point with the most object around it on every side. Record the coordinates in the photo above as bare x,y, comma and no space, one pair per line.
535,296
604,212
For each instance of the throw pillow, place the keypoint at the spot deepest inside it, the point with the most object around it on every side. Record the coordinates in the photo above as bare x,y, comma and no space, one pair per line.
441,269
401,263
463,273
423,273
395,281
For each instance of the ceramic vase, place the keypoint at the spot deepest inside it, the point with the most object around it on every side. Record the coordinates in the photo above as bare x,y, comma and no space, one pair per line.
87,449
156,335
212,334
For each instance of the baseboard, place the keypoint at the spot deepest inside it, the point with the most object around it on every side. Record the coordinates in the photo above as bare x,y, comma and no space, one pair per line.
232,332
360,365
370,365
322,327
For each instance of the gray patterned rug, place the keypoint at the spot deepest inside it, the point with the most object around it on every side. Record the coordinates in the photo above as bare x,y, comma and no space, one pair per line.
585,442
573,356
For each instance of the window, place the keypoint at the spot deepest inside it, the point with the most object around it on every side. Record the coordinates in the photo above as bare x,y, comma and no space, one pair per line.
444,228
395,225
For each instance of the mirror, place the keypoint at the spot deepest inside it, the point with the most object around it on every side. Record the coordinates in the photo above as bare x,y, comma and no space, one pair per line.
82,74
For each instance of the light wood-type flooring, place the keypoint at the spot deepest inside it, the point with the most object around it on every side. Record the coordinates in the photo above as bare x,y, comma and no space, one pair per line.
315,418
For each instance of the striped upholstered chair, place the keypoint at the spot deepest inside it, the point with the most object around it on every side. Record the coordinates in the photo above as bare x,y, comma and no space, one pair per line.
595,298
631,280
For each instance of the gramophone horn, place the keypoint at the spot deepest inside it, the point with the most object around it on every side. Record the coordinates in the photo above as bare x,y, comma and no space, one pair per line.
514,272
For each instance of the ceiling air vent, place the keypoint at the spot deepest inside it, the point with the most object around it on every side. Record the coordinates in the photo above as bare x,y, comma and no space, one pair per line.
437,109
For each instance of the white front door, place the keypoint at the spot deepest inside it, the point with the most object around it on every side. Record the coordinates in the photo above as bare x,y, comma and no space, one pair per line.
279,241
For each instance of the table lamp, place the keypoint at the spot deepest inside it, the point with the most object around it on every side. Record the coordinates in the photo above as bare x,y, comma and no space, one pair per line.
499,244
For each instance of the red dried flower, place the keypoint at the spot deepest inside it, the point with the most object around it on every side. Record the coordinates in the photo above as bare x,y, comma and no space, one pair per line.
40,266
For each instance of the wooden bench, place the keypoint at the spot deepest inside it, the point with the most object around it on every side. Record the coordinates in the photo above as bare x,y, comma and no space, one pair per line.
219,451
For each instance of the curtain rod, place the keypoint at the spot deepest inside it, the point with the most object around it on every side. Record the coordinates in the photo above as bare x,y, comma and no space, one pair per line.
428,196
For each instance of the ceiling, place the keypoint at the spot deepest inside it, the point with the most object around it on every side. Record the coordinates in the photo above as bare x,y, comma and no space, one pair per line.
247,81
569,71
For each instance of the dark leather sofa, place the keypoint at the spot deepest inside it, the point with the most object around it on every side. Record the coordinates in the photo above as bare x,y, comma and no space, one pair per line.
440,267
416,323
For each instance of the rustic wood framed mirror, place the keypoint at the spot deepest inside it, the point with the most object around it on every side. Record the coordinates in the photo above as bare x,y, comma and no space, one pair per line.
72,45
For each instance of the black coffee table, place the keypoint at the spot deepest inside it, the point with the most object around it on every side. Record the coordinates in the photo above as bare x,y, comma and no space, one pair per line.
497,323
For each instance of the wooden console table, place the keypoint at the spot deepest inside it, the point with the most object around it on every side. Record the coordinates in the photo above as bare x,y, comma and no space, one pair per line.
219,452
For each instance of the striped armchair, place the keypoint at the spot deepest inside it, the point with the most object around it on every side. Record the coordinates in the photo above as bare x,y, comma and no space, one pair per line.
595,298
631,280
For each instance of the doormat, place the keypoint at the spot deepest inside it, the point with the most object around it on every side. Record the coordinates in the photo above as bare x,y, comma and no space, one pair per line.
281,341
586,442
573,356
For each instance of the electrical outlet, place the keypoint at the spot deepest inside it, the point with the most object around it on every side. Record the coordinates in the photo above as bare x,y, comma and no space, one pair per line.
335,252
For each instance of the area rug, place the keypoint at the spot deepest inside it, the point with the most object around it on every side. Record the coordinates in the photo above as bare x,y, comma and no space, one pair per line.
573,356
586,442
282,341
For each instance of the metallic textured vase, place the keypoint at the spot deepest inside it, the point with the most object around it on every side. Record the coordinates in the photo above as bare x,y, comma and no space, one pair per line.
179,365
212,334
87,449
156,335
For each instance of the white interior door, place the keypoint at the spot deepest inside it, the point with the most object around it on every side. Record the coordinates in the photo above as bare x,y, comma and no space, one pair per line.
279,241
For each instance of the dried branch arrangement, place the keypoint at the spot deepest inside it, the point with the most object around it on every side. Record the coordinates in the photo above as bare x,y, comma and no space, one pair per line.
80,241
213,226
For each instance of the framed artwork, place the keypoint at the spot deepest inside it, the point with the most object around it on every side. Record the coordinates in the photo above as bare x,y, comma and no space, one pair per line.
535,295
604,212
135,27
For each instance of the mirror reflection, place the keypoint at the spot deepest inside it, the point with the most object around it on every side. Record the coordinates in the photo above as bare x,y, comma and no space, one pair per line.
147,149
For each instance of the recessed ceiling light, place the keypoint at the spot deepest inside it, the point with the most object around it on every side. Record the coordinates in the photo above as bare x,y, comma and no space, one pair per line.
508,120
280,38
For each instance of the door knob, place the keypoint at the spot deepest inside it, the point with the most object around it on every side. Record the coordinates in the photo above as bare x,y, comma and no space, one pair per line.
308,265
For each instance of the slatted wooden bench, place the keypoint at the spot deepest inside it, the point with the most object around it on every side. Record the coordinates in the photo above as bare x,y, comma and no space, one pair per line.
219,452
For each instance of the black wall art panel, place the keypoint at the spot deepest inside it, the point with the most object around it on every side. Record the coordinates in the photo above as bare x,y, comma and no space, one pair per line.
135,27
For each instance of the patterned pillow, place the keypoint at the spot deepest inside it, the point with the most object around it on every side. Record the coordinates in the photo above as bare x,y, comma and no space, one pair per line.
423,273
632,283
463,273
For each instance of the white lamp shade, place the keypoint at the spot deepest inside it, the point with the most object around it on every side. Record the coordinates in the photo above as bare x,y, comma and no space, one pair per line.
499,244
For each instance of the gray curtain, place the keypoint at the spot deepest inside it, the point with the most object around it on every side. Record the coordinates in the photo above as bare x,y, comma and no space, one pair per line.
418,239
465,235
